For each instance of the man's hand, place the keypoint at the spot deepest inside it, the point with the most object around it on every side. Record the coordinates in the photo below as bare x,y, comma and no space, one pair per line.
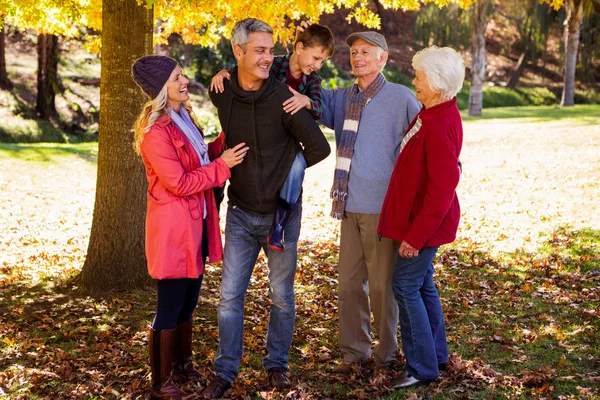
216,83
407,251
296,103
300,28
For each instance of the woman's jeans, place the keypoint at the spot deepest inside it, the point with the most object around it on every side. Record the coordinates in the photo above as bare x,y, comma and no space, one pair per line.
421,317
177,300
290,191
245,235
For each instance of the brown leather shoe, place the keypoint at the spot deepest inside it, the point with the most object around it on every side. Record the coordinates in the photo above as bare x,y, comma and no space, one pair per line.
278,378
343,368
183,365
389,367
216,389
161,344
346,368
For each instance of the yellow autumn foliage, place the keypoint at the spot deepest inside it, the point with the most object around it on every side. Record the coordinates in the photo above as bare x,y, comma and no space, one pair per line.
202,22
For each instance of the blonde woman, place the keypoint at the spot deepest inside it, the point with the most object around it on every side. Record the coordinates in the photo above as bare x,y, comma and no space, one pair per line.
182,227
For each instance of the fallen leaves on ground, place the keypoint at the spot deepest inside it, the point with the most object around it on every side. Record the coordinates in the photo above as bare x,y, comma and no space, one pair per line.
522,322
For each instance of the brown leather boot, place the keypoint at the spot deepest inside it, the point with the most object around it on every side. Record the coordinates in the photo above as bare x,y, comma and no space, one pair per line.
161,344
183,365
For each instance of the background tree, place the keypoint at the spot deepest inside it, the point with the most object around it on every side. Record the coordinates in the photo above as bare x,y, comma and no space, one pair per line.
6,7
590,48
479,20
49,19
5,83
576,10
480,16
447,26
533,21
47,76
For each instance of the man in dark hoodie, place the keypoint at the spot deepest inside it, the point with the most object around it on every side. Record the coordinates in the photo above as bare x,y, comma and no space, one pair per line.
250,110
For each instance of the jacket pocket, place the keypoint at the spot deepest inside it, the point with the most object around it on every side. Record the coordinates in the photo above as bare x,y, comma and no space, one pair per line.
195,206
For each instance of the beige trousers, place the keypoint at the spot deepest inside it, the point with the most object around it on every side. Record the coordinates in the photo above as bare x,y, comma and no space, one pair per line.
366,267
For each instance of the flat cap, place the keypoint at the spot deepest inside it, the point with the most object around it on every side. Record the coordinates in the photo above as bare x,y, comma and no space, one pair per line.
372,37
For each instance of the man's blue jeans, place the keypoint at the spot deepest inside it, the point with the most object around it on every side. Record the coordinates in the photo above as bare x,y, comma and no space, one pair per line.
421,317
290,191
245,234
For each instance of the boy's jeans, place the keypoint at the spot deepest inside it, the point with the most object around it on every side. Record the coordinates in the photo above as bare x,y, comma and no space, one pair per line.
245,234
290,191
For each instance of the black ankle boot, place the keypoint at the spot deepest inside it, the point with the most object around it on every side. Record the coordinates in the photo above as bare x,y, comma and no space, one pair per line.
282,213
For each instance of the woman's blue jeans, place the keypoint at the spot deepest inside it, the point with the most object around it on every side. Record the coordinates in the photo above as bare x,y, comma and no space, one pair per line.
421,316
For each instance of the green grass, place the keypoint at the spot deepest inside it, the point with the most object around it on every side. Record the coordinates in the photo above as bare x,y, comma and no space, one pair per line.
582,114
49,152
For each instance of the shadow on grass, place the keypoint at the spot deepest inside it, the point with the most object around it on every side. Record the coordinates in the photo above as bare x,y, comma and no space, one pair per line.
48,152
585,114
519,325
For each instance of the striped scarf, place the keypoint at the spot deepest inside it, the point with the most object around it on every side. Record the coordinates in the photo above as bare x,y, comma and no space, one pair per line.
357,101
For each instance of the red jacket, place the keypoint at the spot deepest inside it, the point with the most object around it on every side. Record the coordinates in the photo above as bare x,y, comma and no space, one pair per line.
421,206
177,189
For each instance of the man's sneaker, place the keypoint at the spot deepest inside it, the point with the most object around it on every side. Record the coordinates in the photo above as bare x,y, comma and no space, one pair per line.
216,389
278,378
406,380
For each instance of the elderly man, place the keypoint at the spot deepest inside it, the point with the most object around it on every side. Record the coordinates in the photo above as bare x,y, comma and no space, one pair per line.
250,110
369,119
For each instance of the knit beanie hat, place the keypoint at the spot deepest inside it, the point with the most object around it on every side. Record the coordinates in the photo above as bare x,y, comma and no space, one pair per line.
152,72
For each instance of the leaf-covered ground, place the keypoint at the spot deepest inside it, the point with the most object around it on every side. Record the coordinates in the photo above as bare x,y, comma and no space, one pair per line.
520,287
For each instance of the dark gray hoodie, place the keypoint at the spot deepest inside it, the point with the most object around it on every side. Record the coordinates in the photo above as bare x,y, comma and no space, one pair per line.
273,136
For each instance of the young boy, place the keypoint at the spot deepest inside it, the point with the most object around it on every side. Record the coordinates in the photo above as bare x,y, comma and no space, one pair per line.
314,45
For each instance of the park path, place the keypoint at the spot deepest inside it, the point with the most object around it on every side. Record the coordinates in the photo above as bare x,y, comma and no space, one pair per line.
521,181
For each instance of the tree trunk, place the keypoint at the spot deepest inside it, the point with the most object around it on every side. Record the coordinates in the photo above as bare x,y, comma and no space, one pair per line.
574,11
47,75
518,71
478,56
116,257
188,52
5,83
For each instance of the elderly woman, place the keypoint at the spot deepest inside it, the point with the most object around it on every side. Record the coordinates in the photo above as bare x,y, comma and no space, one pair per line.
421,210
182,223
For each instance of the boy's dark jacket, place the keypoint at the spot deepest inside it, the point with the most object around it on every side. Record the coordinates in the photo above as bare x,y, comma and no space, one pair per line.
272,135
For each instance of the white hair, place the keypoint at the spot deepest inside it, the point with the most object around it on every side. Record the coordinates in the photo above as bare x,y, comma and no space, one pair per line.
443,67
241,30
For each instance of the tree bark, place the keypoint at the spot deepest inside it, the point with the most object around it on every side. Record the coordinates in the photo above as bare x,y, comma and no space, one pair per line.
47,75
574,11
5,83
116,258
478,56
518,71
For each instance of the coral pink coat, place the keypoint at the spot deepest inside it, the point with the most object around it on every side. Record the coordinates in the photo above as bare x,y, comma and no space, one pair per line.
178,187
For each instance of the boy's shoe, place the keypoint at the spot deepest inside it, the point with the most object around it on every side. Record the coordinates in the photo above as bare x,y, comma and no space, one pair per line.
275,236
